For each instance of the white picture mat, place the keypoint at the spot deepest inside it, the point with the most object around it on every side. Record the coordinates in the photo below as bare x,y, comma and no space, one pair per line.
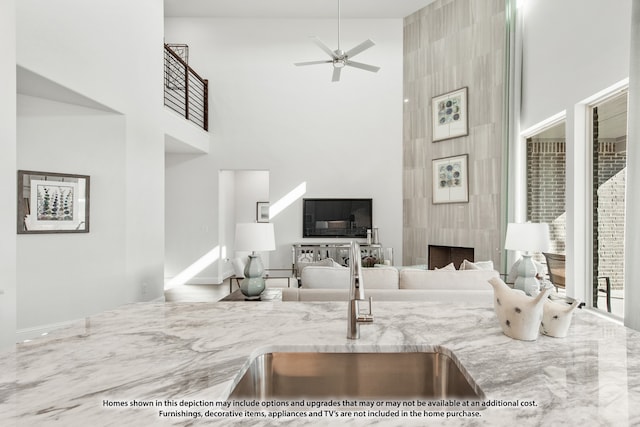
451,192
78,205
451,128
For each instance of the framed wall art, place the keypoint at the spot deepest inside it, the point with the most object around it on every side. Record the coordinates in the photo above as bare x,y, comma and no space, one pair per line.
50,202
450,119
262,211
451,179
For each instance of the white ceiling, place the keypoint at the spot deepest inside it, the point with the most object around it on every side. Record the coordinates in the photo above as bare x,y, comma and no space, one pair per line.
295,9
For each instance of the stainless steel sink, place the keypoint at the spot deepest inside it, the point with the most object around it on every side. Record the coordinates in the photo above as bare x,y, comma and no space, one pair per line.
427,375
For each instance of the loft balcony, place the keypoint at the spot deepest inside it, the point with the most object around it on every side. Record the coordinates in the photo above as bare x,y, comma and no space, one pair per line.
186,102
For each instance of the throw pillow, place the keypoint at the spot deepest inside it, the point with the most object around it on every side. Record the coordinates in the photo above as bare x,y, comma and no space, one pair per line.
449,266
480,265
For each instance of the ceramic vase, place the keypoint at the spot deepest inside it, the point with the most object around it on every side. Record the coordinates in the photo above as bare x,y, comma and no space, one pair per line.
253,284
556,318
519,315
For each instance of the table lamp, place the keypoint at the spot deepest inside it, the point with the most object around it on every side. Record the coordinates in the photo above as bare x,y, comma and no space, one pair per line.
528,237
254,237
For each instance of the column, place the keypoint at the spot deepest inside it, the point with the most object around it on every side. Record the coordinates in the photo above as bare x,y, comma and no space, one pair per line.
632,226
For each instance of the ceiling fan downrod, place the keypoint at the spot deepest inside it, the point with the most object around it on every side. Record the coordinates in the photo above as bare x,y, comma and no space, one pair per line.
339,27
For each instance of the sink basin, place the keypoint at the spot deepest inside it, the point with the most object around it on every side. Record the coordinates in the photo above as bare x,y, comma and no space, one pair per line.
427,375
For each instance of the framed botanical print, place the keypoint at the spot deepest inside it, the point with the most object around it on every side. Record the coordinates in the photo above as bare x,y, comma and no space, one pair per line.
449,115
451,179
50,202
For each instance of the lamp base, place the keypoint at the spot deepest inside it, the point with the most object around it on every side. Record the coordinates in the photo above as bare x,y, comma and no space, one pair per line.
253,284
526,280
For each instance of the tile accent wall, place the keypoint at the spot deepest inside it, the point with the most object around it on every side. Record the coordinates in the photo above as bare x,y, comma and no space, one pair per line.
448,45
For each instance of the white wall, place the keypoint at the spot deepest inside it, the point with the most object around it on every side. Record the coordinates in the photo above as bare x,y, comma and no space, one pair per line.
341,139
191,214
73,274
226,220
8,175
572,50
250,187
110,52
238,192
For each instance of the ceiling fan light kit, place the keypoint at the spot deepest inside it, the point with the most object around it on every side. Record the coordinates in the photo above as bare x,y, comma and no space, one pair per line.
339,58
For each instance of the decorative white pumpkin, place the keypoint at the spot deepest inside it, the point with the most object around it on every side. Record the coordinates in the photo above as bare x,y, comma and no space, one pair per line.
519,315
556,318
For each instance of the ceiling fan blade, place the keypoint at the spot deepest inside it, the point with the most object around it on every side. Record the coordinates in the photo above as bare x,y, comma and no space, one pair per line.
362,66
298,64
362,46
336,74
324,47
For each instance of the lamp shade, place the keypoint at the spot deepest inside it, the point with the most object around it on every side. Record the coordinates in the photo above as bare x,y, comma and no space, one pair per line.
255,236
529,237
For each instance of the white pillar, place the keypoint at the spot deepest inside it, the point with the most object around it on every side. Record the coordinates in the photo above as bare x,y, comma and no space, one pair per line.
8,174
632,226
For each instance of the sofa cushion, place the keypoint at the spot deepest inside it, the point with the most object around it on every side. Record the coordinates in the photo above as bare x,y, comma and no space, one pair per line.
320,277
316,276
380,278
447,279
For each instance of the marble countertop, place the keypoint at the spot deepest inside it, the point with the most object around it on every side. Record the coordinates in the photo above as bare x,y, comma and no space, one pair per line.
189,352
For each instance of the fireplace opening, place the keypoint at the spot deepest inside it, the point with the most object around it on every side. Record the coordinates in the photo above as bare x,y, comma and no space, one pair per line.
441,256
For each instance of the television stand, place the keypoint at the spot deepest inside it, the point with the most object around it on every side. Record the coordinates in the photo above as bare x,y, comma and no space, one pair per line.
309,253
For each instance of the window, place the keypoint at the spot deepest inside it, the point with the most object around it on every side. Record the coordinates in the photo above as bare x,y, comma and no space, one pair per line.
546,183
609,148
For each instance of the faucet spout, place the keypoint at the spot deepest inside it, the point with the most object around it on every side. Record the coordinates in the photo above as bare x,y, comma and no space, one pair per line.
356,295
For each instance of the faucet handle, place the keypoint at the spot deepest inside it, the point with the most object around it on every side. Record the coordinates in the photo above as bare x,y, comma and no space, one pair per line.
364,316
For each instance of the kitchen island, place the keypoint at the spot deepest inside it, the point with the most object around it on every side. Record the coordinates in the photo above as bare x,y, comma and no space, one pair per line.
165,364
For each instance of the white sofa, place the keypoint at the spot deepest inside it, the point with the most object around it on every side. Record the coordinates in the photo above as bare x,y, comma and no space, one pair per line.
319,283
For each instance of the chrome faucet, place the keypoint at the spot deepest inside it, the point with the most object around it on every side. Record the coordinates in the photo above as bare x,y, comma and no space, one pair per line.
356,295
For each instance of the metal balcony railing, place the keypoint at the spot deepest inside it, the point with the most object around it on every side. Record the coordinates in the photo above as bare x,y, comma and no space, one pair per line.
185,92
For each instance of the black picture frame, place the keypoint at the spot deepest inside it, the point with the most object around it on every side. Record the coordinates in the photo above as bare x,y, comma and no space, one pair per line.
262,211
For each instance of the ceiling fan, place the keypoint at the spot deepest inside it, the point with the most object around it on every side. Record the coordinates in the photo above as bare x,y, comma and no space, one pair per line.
339,58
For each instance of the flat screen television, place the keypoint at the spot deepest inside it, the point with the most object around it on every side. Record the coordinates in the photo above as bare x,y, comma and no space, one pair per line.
336,217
